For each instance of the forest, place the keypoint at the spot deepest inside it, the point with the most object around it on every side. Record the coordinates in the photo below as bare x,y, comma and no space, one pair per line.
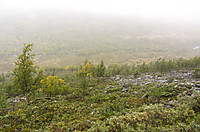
161,95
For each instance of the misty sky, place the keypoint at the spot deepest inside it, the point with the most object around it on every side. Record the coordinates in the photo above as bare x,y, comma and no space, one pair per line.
151,8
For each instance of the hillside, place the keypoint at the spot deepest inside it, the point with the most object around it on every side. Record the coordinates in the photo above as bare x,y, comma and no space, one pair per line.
149,102
163,95
74,36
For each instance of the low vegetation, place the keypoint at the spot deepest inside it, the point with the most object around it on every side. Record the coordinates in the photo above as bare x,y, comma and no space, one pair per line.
159,96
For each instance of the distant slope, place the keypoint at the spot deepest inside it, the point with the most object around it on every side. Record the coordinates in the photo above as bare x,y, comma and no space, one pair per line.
67,38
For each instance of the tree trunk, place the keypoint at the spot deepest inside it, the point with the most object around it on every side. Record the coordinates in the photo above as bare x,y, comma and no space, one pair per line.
26,94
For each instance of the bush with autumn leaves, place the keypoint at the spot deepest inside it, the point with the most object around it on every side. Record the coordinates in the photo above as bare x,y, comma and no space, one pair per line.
52,85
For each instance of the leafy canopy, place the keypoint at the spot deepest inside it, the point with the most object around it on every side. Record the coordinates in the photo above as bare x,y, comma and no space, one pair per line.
26,74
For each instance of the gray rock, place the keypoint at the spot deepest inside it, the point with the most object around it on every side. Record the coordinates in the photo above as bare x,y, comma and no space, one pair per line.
160,78
107,87
147,83
134,93
91,87
105,92
139,79
175,81
118,77
124,86
143,96
180,95
92,113
162,81
176,86
23,98
171,102
124,90
197,85
184,92
181,84
188,83
169,106
196,89
187,93
13,100
112,78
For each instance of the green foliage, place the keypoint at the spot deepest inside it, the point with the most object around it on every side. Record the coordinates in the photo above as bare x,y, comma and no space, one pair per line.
52,85
100,70
136,74
26,74
162,65
3,98
197,72
84,86
87,104
86,70
164,91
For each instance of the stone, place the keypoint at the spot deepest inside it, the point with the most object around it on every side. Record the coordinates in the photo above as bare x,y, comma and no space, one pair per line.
197,85
181,84
91,87
124,90
171,102
162,81
196,89
107,87
118,77
124,86
13,100
147,83
143,96
134,93
175,81
23,98
92,113
105,92
169,106
112,78
16,100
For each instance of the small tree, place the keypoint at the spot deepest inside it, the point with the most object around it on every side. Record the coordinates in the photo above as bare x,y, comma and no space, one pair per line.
100,69
87,70
26,74
85,73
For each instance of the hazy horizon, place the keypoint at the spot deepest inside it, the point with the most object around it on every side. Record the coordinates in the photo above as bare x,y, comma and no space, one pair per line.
180,10
115,31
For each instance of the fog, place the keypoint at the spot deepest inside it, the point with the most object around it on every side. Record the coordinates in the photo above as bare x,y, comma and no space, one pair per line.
114,31
169,9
